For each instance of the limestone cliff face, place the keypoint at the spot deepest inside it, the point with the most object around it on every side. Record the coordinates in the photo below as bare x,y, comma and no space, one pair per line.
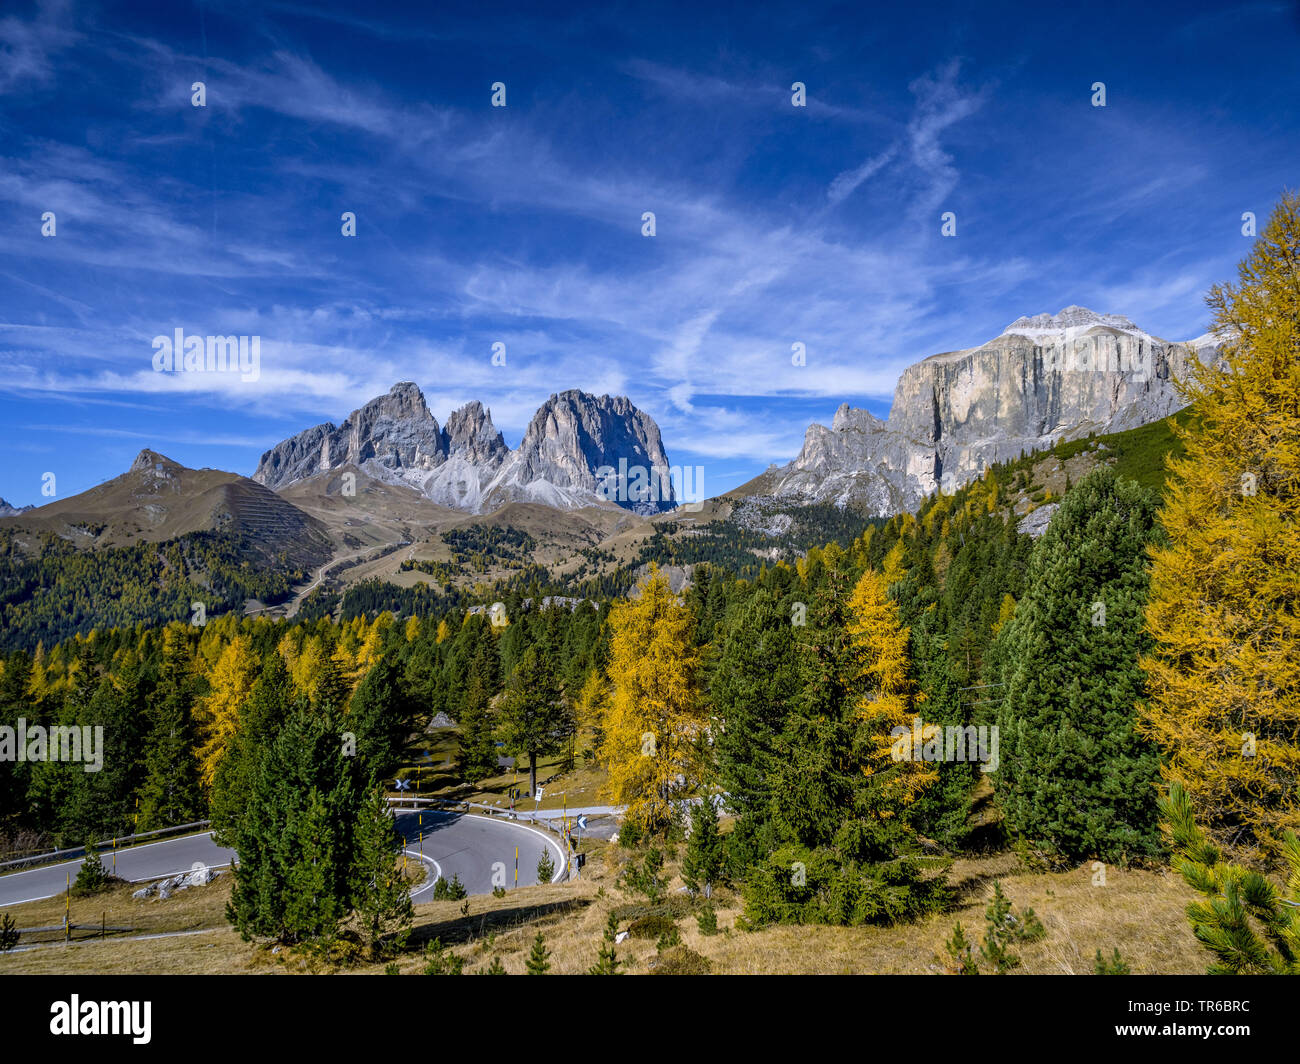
580,445
567,451
1045,378
394,433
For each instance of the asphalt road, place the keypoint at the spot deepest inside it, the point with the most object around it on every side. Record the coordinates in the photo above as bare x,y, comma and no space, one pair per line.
454,844
153,859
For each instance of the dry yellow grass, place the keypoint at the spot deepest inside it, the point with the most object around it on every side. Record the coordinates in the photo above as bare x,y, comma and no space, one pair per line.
1140,912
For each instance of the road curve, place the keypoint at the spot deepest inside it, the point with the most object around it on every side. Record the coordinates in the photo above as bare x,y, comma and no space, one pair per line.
454,843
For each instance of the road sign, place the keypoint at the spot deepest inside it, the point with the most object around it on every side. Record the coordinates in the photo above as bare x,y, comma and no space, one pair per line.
582,823
402,785
539,794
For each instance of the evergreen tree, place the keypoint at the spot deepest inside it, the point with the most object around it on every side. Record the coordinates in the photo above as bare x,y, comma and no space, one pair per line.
379,890
754,683
171,790
545,866
478,757
296,874
538,962
1224,702
839,794
607,962
92,876
261,718
382,717
1074,776
531,714
1250,926
702,866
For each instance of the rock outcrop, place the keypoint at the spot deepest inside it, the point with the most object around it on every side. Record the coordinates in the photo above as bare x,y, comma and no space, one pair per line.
1044,379
579,450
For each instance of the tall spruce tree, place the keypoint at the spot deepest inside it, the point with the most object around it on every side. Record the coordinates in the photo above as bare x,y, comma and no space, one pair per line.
171,793
753,685
478,758
382,718
846,854
295,878
380,896
1075,778
531,715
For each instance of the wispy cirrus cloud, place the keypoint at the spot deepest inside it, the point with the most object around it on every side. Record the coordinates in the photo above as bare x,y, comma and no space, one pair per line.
522,225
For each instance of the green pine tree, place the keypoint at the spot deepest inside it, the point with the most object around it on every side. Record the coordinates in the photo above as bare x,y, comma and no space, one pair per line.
537,962
545,866
170,794
702,866
531,712
1250,926
607,962
1074,777
753,686
1114,966
92,876
439,961
380,894
478,755
296,875
1003,928
961,953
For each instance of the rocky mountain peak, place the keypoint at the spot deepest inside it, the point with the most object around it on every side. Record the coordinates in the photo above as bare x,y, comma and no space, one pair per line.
851,418
9,510
469,432
1068,318
148,459
1047,377
467,464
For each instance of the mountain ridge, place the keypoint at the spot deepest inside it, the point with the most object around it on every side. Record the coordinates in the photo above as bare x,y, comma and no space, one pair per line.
565,459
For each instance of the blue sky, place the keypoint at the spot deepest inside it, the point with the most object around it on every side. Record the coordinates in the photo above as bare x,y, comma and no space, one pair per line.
522,225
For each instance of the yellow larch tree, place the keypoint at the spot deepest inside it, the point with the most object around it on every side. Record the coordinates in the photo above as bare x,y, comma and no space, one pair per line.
887,697
655,721
217,714
1224,606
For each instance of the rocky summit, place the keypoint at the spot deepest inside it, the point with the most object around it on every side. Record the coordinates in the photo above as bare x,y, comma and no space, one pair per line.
1043,379
579,450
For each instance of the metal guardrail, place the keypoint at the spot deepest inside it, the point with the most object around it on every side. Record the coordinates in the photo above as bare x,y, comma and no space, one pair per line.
80,851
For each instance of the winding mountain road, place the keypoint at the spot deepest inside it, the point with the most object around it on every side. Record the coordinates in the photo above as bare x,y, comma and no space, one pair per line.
454,844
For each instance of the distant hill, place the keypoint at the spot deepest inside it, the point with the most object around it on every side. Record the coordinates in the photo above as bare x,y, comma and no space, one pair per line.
157,500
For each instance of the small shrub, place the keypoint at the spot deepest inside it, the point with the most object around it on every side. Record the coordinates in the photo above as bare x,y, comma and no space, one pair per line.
92,877
652,926
680,960
438,961
1114,966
